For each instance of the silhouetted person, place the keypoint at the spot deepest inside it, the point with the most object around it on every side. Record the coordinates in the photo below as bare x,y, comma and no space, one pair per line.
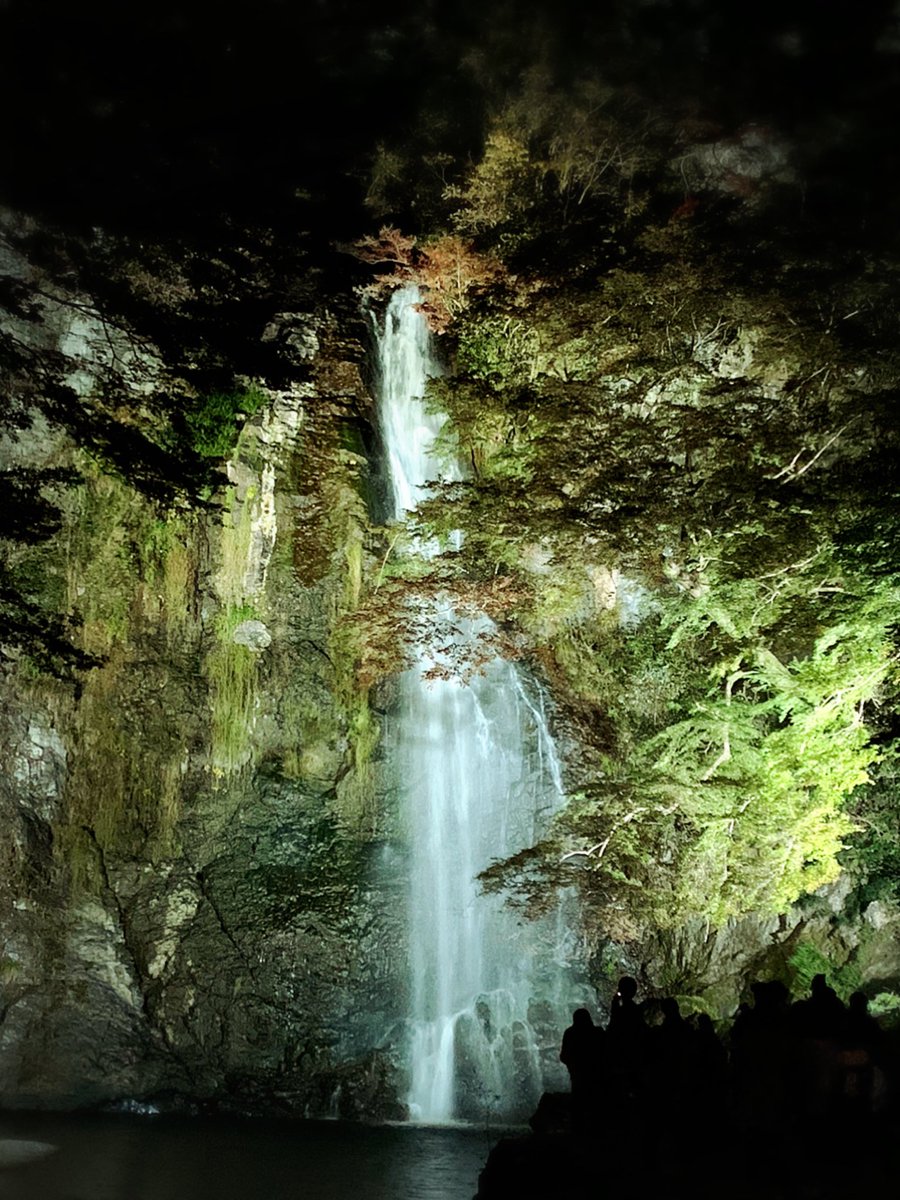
674,1026
625,1018
762,1053
669,1073
627,1043
822,1015
861,1057
581,1053
818,1025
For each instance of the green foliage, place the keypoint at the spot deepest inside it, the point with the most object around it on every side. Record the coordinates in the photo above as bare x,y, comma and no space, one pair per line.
499,350
873,852
684,477
724,782
681,427
214,420
550,151
584,142
765,761
807,961
498,443
501,189
885,1007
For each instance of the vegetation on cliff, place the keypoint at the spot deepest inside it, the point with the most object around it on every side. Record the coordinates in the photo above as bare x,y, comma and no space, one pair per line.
678,423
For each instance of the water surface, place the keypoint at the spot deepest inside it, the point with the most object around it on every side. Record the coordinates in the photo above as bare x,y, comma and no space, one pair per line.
119,1157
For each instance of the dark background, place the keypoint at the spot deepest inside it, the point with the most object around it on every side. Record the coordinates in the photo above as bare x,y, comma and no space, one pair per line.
162,116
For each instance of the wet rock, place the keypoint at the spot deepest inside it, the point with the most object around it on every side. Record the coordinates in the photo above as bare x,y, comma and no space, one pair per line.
296,334
185,908
252,634
39,768
880,914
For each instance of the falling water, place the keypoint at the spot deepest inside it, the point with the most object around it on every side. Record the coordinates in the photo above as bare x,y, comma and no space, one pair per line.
478,776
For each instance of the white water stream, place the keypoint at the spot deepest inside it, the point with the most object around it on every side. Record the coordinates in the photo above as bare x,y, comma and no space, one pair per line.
478,776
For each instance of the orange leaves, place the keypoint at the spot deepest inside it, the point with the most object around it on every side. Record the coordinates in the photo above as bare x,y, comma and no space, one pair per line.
450,270
389,245
447,269
380,634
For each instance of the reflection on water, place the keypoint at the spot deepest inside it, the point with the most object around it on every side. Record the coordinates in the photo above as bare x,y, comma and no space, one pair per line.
169,1158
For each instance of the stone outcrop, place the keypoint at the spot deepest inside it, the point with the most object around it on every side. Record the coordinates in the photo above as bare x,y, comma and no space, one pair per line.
190,906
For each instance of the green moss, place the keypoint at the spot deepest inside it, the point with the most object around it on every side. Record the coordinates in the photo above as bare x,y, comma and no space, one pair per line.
356,790
236,535
101,559
30,671
123,790
10,969
355,793
37,574
125,561
334,516
231,672
233,616
168,568
339,520
353,555
128,573
214,420
311,731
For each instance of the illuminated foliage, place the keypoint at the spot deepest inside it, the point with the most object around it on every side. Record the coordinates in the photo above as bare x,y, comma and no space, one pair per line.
686,477
448,269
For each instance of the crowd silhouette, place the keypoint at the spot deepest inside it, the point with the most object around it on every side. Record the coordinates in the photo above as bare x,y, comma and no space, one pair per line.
786,1100
780,1062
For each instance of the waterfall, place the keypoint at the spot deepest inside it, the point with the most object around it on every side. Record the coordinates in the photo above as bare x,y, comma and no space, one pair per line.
477,774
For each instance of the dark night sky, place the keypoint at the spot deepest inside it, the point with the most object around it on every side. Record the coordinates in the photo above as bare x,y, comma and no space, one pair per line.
126,113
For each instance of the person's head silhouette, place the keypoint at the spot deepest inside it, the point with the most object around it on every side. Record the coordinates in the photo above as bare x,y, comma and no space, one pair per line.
627,988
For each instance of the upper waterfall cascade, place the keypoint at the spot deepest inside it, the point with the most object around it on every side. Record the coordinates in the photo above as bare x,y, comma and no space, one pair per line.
477,771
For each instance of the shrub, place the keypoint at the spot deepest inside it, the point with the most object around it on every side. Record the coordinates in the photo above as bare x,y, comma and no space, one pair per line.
807,961
213,423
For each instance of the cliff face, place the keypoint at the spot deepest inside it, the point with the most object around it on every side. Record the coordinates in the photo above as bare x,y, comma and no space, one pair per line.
661,254
203,872
189,823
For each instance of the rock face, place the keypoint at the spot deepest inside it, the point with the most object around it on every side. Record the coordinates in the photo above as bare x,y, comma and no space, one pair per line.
201,878
189,905
711,970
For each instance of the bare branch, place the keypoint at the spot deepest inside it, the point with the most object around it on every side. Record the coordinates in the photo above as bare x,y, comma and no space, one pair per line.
600,849
789,469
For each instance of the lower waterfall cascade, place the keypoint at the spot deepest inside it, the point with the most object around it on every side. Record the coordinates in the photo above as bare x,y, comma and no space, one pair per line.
478,776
